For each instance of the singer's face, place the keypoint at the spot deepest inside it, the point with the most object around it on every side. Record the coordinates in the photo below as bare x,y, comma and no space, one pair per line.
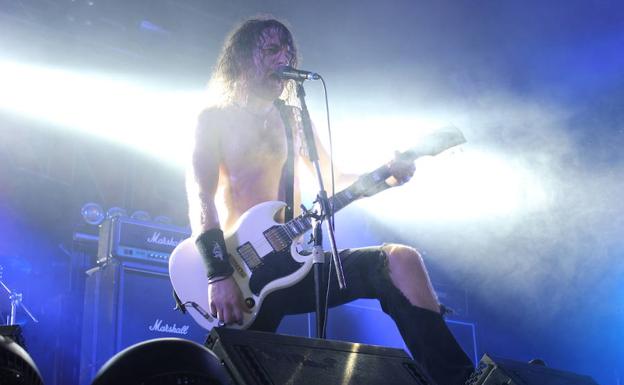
269,54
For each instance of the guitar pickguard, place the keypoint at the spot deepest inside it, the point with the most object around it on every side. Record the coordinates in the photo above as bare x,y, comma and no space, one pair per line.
275,265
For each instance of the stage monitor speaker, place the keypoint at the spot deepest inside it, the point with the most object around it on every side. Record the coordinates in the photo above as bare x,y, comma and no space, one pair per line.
127,302
497,371
14,332
257,358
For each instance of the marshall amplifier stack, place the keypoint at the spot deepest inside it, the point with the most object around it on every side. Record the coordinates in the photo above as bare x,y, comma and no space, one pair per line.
128,296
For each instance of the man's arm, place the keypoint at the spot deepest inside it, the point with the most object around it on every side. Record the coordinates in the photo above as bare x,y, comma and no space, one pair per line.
401,171
224,296
205,166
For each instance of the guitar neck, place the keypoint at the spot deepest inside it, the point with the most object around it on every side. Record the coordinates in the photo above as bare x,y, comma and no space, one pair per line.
366,185
371,183
374,182
280,236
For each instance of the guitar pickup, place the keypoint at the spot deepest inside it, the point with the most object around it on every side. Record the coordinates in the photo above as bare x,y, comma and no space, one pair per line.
249,255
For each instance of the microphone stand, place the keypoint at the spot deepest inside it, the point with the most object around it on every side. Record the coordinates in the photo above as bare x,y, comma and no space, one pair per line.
326,213
16,301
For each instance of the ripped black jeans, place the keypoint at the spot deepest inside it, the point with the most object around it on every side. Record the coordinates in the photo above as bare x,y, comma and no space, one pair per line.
425,333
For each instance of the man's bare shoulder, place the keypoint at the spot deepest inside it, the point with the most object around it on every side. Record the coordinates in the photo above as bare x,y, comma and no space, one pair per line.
214,118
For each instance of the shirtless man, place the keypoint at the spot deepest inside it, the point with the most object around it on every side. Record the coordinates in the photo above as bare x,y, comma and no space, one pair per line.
241,147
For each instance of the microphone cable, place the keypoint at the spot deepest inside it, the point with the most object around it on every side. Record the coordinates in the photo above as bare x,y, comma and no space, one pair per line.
330,217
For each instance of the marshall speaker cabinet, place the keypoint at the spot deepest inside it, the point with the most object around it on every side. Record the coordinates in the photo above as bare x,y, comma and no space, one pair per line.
128,297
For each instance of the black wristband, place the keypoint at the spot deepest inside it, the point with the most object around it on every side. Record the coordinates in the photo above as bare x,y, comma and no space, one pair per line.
211,246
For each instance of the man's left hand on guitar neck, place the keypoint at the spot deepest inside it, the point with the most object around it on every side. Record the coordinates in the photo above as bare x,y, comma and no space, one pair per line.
401,170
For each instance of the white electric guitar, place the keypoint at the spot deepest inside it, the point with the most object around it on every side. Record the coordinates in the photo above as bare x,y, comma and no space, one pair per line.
264,253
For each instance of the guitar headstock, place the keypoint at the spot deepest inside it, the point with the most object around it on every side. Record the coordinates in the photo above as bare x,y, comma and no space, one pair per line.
436,142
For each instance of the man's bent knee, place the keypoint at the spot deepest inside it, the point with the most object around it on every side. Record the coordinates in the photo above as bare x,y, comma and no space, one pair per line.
408,274
402,255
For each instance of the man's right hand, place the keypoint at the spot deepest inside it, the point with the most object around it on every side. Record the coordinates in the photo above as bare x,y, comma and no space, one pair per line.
226,301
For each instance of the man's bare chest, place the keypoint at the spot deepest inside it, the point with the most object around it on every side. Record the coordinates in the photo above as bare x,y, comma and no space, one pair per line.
254,147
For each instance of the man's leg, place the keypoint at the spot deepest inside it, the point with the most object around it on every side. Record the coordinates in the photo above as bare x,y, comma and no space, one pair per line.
410,300
300,298
396,276
408,274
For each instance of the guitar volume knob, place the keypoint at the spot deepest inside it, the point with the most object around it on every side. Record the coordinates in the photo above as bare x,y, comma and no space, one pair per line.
250,302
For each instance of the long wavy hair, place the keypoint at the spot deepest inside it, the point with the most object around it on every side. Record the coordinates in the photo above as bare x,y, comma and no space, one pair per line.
235,64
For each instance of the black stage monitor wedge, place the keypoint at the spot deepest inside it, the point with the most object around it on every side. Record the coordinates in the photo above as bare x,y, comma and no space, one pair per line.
13,332
257,358
497,371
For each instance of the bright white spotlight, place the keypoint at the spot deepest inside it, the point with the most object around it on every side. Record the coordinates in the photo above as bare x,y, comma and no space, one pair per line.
150,119
463,186
364,143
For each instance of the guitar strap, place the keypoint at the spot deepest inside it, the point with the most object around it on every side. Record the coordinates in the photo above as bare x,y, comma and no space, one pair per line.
287,181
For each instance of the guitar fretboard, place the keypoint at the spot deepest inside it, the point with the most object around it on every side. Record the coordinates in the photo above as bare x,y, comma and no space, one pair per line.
281,236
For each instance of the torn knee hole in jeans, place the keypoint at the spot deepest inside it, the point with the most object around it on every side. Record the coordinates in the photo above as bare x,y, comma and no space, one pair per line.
385,273
385,264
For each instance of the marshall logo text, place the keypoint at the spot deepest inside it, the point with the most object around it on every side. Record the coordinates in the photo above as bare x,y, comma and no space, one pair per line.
159,327
159,239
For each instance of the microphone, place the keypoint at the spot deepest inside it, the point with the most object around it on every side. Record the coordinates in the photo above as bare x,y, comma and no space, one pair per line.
287,72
